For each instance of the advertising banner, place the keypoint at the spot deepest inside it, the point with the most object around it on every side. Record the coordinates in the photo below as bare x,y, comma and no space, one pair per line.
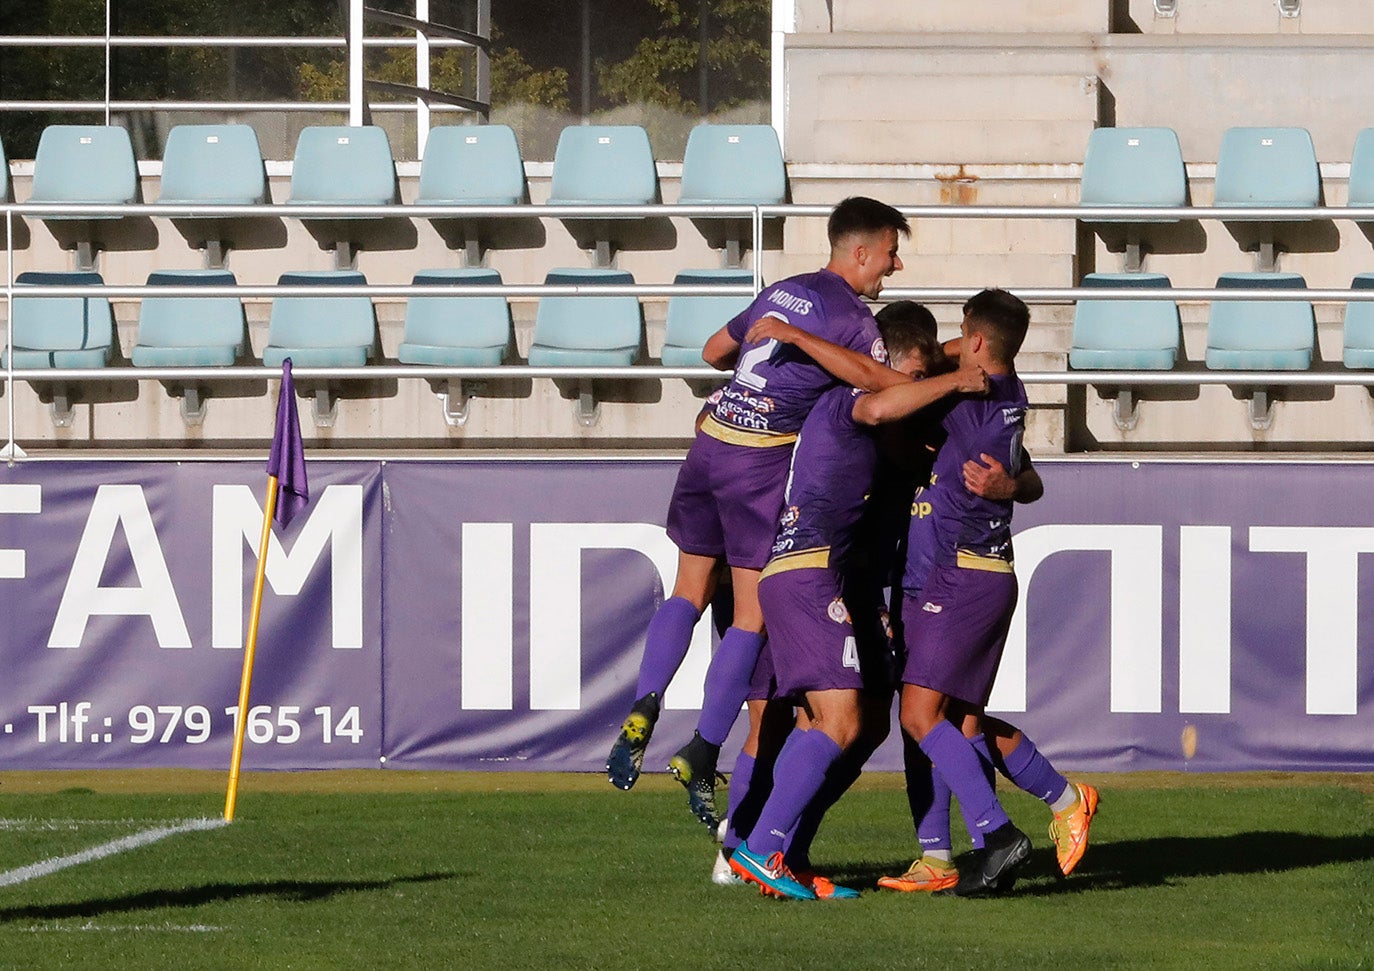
490,614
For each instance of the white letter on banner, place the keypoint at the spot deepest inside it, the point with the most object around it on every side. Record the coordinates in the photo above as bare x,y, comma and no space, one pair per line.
556,609
1332,606
154,597
1136,611
336,518
488,613
1204,619
25,497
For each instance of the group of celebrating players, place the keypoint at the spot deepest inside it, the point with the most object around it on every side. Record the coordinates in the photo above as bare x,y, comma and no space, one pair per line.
847,455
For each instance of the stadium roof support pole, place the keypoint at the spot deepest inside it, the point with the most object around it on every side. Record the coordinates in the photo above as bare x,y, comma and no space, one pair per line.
784,23
355,62
421,79
109,94
483,57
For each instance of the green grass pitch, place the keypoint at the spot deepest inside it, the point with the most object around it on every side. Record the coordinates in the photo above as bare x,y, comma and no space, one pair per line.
398,869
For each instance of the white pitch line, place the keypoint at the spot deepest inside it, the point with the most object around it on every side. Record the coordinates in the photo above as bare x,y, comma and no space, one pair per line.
52,865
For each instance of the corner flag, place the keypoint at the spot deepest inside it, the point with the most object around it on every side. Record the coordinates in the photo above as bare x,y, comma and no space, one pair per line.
286,464
285,477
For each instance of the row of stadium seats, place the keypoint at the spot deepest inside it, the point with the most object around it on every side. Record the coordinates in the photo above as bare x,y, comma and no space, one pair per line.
472,165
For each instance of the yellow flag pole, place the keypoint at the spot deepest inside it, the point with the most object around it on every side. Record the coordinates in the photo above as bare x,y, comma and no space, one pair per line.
250,648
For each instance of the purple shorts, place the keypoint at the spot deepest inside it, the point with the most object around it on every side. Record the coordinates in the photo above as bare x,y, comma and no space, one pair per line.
956,629
727,501
763,686
816,645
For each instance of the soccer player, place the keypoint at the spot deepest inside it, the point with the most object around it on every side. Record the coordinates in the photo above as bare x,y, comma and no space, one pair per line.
960,589
728,493
824,654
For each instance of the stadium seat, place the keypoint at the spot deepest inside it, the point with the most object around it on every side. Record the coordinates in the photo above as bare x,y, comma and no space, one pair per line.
691,320
602,165
587,331
211,165
1361,191
731,165
60,332
1358,339
472,165
92,164
1252,335
1125,335
339,165
1133,167
456,331
1267,167
321,331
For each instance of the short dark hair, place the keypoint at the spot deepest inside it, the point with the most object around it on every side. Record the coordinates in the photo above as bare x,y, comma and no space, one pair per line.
908,327
860,214
1002,319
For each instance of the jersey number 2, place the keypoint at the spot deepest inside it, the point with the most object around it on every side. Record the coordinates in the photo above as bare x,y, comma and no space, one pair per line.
751,359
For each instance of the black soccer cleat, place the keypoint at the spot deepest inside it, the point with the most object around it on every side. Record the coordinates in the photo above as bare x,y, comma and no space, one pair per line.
627,754
694,766
994,869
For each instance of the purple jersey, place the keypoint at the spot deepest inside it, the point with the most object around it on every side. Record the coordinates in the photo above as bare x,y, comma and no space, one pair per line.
775,385
951,526
831,473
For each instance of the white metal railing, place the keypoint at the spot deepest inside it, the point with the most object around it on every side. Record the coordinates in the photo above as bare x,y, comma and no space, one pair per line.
756,216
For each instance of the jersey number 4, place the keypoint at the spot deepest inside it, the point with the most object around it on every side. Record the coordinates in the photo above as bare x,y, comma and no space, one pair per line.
850,659
744,372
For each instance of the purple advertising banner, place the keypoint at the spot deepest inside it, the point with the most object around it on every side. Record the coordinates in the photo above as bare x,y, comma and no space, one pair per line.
127,589
490,614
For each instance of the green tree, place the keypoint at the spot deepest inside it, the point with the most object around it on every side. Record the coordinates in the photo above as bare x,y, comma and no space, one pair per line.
666,70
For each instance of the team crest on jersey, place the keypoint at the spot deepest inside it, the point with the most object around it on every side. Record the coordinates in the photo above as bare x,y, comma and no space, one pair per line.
790,515
837,611
879,351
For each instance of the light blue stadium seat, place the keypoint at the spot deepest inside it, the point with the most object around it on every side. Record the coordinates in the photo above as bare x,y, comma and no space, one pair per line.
61,332
1125,335
471,165
1133,167
214,164
587,331
1362,170
1267,167
1251,335
691,320
84,163
733,164
456,331
1358,340
189,331
603,164
321,331
342,165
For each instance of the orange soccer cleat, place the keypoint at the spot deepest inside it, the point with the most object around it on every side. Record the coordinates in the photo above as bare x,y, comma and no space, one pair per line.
1069,829
925,875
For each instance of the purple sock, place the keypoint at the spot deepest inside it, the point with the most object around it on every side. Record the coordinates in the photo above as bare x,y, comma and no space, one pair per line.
1033,773
739,791
797,847
928,796
980,745
956,760
665,645
797,777
727,683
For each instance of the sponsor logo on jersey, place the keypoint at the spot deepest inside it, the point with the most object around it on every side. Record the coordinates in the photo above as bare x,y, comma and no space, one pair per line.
790,301
931,608
1011,416
837,611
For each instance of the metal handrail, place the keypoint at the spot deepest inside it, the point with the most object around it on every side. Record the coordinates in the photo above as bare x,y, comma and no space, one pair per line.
58,40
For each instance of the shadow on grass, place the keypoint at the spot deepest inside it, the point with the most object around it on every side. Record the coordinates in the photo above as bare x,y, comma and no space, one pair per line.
1160,861
294,891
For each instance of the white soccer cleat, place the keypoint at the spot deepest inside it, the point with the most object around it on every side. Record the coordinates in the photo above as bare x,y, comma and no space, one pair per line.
721,874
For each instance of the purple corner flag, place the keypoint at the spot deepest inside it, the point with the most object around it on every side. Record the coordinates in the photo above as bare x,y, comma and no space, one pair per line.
287,461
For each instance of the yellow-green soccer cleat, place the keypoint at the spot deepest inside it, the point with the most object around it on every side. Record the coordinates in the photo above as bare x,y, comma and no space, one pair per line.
694,766
1069,829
